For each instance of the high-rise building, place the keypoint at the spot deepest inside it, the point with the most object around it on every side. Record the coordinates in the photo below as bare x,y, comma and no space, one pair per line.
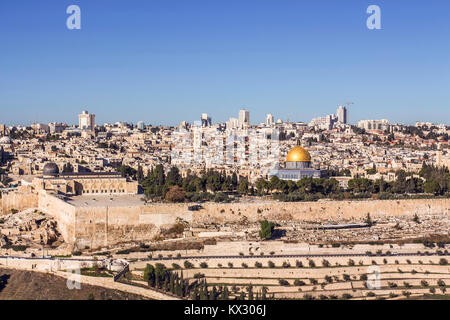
206,121
342,114
324,123
140,125
269,120
374,124
232,123
2,129
244,118
86,121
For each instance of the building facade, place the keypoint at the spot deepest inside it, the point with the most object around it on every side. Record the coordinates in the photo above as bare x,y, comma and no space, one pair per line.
298,166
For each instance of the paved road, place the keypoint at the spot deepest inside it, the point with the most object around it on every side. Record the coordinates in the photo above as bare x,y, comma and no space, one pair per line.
342,255
48,258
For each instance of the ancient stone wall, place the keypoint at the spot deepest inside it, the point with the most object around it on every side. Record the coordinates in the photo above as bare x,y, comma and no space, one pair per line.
306,211
18,200
102,226
98,226
63,212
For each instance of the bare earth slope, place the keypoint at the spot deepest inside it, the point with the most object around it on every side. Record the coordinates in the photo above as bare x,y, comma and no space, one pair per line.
28,285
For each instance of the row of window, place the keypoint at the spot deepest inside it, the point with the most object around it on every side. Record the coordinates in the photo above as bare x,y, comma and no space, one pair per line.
103,191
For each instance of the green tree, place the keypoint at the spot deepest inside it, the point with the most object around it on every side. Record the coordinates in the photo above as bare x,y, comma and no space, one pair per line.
266,231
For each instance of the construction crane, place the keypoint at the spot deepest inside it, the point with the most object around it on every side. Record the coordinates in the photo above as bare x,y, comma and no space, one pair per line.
349,103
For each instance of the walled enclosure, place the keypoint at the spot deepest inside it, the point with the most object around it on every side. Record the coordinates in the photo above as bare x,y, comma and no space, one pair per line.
98,226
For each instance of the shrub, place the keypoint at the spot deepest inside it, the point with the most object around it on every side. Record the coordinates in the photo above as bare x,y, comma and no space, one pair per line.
244,265
283,282
176,194
203,265
312,264
258,264
298,282
347,296
286,264
199,275
392,285
230,265
325,263
270,264
351,263
188,265
299,264
443,262
407,294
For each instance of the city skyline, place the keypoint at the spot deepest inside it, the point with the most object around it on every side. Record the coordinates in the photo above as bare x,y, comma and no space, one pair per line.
163,64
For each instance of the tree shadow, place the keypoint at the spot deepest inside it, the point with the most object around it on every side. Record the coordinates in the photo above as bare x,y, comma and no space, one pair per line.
278,233
4,281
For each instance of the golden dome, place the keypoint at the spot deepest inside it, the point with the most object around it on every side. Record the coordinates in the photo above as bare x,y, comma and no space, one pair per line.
298,154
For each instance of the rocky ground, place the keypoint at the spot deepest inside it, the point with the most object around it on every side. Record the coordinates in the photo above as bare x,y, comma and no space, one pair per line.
383,229
29,228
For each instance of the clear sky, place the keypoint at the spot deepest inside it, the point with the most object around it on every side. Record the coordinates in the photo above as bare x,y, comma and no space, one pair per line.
165,61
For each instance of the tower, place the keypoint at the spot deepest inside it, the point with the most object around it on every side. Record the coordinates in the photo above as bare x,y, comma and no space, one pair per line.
342,114
244,118
86,121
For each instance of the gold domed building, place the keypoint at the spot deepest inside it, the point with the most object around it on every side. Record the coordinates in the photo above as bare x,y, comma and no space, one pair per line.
298,166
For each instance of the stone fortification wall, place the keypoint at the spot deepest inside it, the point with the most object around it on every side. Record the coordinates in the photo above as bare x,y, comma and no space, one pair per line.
96,226
18,200
306,211
63,212
102,226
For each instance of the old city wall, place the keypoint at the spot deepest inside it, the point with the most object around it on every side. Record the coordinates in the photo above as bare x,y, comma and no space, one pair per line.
306,211
98,226
102,226
19,200
105,226
63,213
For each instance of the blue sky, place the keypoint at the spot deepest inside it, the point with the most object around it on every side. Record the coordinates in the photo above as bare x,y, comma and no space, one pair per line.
165,61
